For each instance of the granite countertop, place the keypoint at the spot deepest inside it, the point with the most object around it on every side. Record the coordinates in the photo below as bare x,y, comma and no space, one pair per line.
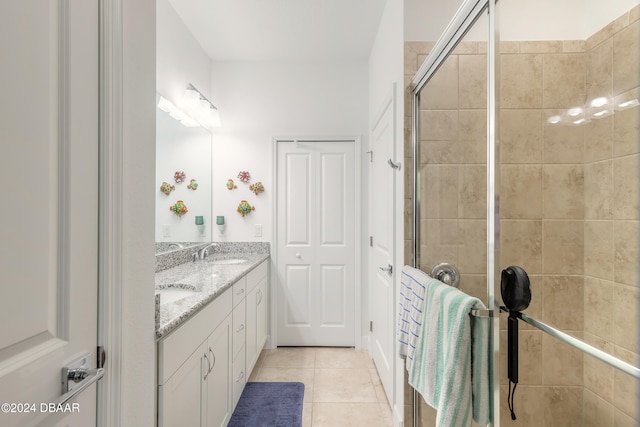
205,279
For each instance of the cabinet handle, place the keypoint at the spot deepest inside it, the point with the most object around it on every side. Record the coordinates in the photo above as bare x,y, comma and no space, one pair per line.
241,376
240,291
259,294
208,367
213,357
240,328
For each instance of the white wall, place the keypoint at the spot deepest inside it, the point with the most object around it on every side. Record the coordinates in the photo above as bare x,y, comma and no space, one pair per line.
386,67
180,58
262,100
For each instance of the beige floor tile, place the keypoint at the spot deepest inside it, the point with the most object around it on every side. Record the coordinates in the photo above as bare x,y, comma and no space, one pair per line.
289,357
342,358
347,414
340,385
307,412
303,375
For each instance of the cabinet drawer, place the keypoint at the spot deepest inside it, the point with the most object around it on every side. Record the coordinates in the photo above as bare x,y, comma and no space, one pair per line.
257,274
239,327
239,377
181,343
239,291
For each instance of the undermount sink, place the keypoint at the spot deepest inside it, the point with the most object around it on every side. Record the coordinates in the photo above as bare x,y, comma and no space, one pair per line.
169,295
228,261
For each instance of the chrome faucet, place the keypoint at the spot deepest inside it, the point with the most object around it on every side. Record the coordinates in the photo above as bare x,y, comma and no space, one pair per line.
204,252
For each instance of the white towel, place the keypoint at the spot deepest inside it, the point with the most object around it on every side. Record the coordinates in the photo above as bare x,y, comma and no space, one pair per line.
450,364
410,313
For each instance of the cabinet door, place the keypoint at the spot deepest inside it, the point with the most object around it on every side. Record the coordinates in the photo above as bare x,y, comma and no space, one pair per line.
179,399
218,384
251,349
261,316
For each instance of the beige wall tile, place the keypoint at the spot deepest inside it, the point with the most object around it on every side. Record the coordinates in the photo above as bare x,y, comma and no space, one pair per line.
626,316
564,302
439,125
626,174
563,191
599,249
597,411
521,244
521,191
562,144
521,136
472,196
408,218
627,258
541,46
598,301
529,406
472,255
620,419
473,81
573,46
598,376
599,76
634,13
563,77
563,364
598,139
472,136
509,47
441,92
474,285
626,394
608,31
598,190
626,132
466,48
563,406
521,81
563,243
626,58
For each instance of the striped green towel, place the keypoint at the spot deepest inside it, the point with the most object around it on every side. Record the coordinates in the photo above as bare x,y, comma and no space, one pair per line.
450,367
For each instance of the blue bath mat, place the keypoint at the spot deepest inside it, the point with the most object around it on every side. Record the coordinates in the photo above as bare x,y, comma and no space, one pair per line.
269,404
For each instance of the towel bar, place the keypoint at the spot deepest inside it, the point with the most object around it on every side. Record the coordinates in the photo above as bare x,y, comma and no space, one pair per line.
482,313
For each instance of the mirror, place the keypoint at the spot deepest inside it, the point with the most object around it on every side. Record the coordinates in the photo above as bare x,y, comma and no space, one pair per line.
182,149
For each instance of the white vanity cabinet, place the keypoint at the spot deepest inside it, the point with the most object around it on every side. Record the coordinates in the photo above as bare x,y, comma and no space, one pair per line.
194,369
256,313
203,364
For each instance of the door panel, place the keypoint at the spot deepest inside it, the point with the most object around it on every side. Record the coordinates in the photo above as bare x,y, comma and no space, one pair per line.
381,253
49,134
316,258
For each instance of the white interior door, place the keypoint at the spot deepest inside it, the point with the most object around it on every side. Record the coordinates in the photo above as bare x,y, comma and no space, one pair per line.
49,219
382,246
316,243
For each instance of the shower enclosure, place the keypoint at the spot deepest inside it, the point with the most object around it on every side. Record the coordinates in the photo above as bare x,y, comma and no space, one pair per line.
525,149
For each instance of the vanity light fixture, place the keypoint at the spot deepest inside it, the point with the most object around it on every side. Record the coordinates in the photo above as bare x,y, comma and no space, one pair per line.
167,106
200,108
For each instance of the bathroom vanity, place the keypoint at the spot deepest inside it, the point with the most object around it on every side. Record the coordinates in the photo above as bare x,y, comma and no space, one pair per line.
210,330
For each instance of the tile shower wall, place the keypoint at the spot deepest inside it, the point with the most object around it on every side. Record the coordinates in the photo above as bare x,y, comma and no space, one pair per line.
569,209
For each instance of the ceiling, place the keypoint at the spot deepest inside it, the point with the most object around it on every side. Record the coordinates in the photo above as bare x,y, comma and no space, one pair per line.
282,30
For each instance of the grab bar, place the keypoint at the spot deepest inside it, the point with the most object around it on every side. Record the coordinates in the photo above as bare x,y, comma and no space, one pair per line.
583,346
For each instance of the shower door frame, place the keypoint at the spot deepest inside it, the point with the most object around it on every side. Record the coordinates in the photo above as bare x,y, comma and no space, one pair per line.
466,16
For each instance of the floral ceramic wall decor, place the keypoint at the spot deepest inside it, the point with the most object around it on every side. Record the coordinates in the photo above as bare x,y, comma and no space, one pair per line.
179,208
179,176
244,176
193,185
257,188
244,208
231,185
167,188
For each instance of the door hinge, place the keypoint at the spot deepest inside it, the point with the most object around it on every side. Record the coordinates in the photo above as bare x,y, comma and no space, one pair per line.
370,325
101,359
371,241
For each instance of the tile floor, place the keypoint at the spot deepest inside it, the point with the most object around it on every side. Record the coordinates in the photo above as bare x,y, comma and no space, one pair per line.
342,387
